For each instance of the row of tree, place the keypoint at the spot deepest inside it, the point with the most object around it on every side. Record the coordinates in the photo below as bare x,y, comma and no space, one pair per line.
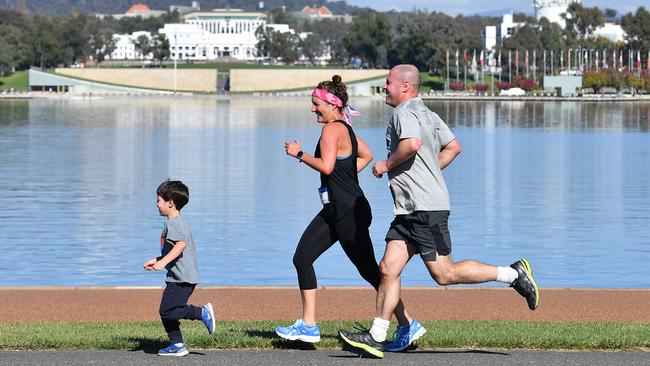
48,41
377,39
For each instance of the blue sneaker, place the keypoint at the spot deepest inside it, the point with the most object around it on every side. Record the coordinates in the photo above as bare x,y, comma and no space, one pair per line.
174,350
299,332
404,336
207,317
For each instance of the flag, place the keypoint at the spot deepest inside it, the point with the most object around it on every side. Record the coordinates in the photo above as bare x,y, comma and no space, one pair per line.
620,59
499,59
517,58
447,58
457,57
465,55
638,59
481,59
604,59
561,58
648,62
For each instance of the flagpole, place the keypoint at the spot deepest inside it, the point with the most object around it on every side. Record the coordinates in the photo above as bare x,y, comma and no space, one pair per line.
447,63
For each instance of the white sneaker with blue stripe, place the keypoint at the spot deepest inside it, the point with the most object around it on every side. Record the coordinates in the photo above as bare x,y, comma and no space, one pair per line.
299,331
404,336
207,317
174,350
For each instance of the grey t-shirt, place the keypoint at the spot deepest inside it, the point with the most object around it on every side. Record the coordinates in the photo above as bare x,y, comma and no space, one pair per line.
417,184
184,267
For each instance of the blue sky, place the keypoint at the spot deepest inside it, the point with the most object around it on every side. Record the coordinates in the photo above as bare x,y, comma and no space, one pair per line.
454,7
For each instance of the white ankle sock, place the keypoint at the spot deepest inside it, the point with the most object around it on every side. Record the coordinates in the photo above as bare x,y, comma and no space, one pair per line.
506,274
379,329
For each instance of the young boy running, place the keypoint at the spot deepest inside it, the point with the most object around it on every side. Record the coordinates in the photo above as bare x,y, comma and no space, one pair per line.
178,256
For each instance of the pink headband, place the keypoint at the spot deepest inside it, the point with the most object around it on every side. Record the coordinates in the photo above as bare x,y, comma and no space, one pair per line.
334,100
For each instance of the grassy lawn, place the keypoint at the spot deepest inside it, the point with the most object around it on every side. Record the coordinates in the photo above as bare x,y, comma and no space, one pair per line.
18,80
261,335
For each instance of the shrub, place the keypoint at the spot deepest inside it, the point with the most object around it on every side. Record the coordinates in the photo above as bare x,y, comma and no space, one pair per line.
456,86
481,87
503,86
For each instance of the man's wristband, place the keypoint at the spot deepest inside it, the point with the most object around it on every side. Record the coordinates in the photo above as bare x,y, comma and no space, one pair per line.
299,155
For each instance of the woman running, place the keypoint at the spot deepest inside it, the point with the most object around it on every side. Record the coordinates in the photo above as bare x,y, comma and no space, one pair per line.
346,214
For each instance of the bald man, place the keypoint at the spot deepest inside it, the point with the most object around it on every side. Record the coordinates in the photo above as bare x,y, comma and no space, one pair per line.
420,145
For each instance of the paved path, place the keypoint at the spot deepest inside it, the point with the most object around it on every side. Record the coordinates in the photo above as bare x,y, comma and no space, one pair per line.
328,357
25,305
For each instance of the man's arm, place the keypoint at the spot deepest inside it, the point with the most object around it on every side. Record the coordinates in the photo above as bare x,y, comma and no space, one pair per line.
448,153
405,150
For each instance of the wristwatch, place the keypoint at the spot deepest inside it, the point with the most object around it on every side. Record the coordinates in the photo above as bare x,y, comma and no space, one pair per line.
299,155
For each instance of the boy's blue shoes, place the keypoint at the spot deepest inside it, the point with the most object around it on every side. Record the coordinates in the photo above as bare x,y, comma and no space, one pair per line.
299,331
404,336
174,350
207,317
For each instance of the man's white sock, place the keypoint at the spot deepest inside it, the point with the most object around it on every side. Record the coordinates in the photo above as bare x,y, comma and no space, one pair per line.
379,329
506,274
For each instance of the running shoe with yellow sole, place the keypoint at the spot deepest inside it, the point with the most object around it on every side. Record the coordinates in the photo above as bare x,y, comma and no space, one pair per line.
525,284
363,341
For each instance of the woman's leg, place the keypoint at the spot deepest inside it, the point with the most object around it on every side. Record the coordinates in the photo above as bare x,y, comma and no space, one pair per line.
316,239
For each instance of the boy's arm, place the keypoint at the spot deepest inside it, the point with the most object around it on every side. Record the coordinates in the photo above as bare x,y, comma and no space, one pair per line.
173,254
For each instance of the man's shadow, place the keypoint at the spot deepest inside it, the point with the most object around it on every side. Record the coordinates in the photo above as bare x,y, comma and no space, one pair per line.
412,349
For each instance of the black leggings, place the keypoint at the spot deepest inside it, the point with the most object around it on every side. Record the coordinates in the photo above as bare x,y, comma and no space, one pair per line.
351,230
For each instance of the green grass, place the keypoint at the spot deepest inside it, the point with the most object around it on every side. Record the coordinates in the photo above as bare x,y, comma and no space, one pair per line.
19,80
261,335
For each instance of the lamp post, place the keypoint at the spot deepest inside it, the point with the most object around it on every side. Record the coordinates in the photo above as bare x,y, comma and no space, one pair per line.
175,58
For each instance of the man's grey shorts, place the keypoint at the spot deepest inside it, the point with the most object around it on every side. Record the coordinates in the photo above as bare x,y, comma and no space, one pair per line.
427,230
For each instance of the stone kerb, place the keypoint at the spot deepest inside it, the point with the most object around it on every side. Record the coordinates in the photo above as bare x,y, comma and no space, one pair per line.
276,80
197,80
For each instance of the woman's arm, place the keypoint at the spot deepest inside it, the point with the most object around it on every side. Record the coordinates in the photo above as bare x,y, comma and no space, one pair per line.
328,149
364,155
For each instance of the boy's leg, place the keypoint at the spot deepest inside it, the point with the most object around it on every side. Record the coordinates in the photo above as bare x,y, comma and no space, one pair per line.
174,307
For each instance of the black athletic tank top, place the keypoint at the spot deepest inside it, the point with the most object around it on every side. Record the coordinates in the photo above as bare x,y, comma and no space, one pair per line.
343,183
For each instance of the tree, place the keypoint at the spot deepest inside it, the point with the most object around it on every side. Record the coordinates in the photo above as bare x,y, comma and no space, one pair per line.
47,41
160,47
312,47
142,46
610,13
369,31
19,51
637,27
101,43
277,45
332,33
581,22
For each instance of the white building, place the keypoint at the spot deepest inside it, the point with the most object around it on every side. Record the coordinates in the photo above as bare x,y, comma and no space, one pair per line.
552,10
494,34
125,47
215,34
611,31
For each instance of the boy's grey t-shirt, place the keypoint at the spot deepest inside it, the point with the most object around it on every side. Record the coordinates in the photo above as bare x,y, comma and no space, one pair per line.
417,184
184,268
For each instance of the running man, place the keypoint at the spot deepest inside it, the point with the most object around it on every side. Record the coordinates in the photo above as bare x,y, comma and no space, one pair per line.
420,145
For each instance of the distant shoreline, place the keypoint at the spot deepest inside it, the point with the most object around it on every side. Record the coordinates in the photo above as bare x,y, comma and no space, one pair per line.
585,98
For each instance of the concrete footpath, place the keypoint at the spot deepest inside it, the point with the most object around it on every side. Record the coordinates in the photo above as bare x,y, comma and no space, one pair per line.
456,357
62,304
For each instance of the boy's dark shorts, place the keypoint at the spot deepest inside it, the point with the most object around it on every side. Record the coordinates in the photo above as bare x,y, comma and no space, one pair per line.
427,230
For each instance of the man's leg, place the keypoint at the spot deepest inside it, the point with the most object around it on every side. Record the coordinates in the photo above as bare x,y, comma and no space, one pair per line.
445,272
397,254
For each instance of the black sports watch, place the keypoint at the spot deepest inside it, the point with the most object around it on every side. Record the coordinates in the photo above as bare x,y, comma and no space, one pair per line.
299,155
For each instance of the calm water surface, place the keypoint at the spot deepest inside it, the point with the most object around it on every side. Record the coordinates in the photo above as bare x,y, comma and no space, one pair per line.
565,184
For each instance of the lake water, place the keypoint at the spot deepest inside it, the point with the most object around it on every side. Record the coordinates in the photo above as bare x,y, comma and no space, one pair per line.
565,184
